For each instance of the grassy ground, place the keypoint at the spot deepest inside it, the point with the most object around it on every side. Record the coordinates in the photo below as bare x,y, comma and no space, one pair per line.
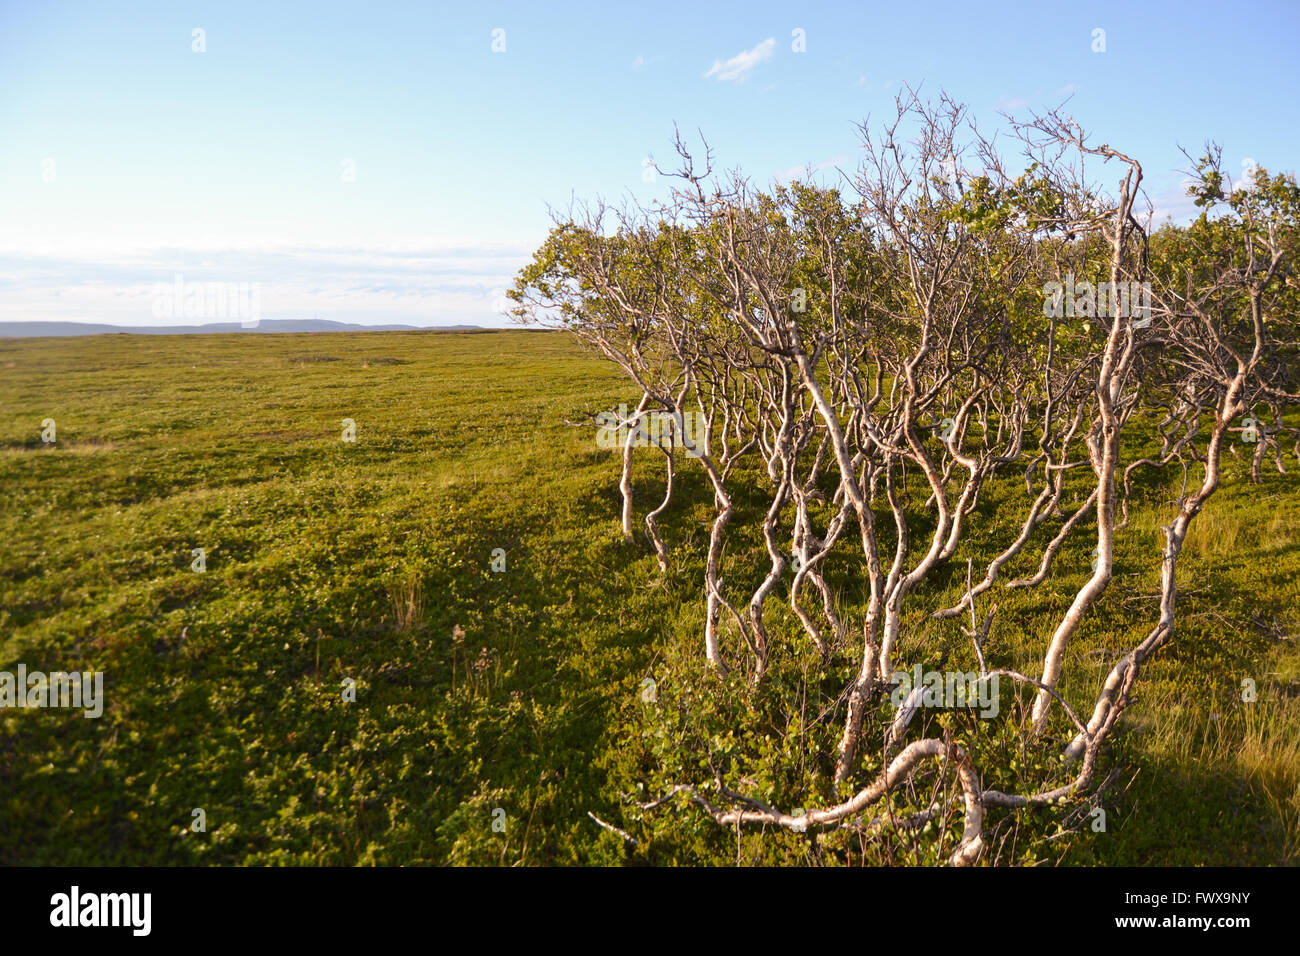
515,698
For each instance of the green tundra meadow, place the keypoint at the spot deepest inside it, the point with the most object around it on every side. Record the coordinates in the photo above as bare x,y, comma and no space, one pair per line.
498,708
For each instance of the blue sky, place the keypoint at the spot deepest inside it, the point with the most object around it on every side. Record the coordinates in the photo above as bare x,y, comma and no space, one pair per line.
128,157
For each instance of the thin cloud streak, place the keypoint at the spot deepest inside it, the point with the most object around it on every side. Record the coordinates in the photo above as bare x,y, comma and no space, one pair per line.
743,63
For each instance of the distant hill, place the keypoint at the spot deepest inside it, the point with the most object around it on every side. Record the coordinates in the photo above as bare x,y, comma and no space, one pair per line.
36,329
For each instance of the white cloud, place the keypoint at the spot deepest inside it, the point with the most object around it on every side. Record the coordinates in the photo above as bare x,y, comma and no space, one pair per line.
740,65
412,279
1175,204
